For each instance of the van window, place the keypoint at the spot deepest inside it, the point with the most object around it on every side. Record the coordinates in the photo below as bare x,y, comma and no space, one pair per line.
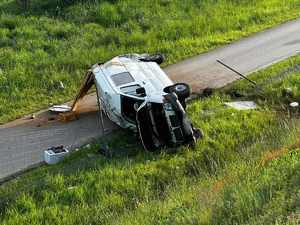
130,90
122,78
128,108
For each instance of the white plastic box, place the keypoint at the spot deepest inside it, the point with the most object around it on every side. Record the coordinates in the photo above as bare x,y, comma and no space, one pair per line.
55,155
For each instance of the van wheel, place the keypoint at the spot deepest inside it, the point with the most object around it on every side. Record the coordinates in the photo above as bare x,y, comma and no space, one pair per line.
158,58
182,90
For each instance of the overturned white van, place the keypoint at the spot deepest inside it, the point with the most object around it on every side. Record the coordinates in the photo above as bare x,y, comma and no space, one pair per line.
134,92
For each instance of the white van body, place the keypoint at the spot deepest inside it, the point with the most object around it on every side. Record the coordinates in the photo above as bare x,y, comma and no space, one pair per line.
135,93
122,76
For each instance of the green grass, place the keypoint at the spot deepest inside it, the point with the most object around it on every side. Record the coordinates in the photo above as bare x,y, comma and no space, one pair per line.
244,171
58,40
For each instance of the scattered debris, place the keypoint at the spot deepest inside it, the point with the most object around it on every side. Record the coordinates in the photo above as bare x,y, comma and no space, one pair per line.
294,108
236,94
58,85
30,117
294,104
54,155
60,108
61,85
242,105
287,92
67,116
72,187
207,92
105,151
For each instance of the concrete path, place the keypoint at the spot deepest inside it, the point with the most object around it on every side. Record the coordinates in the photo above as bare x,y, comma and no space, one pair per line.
247,55
22,142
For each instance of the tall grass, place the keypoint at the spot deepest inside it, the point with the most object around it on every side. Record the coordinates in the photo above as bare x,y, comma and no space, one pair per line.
58,40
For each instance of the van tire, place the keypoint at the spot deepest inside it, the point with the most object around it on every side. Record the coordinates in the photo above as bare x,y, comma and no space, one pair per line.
158,58
182,90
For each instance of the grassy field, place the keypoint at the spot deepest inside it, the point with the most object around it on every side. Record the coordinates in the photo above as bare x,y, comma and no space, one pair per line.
58,40
246,170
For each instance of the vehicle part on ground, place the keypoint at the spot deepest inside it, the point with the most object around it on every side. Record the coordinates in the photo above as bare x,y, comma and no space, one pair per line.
60,108
132,92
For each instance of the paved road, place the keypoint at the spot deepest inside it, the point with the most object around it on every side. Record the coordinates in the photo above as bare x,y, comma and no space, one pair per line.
247,55
22,142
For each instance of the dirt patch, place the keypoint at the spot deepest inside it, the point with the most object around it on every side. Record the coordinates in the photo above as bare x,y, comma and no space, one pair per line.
269,156
266,158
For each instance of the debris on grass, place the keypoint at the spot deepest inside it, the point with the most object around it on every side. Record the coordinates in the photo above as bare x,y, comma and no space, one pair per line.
105,151
294,104
287,92
242,105
55,154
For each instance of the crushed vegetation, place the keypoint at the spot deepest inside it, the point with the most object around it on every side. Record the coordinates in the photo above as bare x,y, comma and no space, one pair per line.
53,42
244,171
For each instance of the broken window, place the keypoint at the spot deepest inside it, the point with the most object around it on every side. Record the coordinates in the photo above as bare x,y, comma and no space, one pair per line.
128,107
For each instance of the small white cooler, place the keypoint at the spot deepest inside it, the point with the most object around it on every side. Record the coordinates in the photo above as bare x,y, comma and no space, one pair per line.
55,154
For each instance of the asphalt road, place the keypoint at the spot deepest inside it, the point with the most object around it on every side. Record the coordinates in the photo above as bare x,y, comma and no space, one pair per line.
247,55
23,142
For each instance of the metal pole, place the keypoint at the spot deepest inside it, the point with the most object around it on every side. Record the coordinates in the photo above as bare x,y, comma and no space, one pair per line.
238,73
100,108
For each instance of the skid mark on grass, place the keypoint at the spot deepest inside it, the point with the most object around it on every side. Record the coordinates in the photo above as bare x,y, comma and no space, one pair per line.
218,185
271,155
275,154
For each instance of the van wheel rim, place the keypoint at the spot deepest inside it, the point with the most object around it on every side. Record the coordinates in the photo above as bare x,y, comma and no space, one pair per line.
180,87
